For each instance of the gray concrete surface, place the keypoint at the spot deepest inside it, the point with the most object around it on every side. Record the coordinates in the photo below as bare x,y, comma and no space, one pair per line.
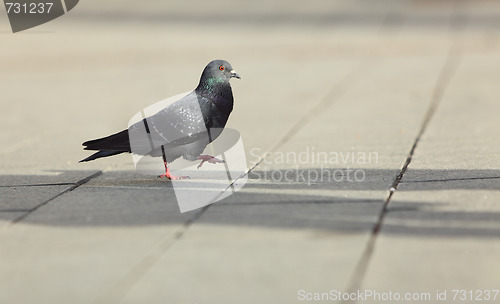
415,82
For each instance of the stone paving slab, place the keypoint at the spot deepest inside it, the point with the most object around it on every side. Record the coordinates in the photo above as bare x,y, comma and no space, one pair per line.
25,198
111,207
21,194
427,263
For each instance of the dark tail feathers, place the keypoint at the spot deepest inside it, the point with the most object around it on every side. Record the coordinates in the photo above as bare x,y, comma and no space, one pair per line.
108,146
116,142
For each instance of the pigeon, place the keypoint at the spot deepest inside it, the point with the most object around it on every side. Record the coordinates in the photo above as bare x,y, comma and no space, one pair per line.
182,129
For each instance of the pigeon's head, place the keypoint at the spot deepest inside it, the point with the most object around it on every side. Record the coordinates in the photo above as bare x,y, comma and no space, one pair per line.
218,71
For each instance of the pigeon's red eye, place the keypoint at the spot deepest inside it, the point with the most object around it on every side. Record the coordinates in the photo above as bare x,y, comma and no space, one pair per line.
221,68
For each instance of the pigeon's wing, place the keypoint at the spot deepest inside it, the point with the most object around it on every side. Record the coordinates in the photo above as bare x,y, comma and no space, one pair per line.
179,124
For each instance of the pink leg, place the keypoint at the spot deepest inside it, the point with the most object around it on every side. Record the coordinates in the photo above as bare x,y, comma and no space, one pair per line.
210,159
170,176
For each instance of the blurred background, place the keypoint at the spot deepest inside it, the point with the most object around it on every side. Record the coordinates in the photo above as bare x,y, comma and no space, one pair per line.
83,75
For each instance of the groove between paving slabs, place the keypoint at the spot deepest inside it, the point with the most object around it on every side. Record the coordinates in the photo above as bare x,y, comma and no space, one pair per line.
448,70
73,187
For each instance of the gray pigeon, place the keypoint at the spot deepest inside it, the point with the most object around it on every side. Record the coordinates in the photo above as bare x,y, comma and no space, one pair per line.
184,128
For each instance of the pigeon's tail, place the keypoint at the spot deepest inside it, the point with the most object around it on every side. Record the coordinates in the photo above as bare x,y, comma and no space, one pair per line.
108,146
101,154
115,142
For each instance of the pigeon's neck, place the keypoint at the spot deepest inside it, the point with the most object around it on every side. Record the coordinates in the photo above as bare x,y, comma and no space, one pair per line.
215,88
218,92
209,84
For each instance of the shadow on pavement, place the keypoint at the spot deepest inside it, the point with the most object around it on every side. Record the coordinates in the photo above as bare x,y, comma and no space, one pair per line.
128,199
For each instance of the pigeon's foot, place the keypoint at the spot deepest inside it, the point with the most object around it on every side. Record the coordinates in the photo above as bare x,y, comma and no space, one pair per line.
170,176
210,159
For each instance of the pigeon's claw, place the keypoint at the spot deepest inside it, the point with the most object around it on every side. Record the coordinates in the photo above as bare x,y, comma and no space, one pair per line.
170,176
210,159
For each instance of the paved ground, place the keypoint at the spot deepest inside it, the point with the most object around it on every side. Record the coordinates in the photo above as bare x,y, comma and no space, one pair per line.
403,92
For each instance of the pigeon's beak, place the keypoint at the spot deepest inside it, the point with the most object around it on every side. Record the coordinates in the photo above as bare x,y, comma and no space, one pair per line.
234,74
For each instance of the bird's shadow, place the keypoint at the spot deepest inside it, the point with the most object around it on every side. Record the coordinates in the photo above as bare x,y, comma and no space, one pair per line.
83,198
